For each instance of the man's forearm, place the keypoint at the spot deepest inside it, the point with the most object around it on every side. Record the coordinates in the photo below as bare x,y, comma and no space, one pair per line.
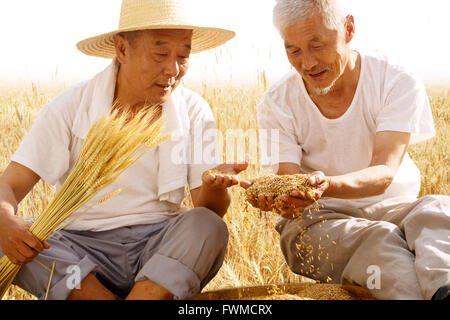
217,200
8,205
368,182
8,202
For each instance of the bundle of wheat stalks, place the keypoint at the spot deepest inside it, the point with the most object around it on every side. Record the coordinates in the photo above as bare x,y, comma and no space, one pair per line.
112,144
278,186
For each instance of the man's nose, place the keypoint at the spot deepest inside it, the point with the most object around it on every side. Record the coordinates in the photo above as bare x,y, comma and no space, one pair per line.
309,61
172,67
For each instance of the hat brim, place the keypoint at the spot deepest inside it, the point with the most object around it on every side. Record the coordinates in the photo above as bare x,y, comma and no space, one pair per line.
202,39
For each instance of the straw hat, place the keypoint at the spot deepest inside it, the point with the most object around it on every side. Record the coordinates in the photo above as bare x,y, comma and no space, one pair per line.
155,14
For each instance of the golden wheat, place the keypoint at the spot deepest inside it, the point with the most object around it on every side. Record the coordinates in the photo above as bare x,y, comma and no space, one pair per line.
234,107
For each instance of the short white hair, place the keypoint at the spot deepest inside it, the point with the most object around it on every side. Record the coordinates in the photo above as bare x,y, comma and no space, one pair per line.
289,12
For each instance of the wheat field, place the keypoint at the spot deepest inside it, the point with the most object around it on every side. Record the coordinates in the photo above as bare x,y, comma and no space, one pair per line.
253,256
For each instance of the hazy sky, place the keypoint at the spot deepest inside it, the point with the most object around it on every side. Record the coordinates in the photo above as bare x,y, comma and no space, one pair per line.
39,37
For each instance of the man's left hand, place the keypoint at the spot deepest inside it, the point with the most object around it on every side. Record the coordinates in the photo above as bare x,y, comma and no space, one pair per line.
299,200
223,176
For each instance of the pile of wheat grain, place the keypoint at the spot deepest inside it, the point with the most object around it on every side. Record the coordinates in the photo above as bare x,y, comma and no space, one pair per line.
278,186
297,291
316,292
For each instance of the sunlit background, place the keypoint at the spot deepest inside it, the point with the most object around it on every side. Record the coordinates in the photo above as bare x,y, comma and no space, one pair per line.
38,37
37,49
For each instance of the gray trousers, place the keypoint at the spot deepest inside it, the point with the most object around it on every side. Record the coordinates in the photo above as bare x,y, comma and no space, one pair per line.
396,249
182,255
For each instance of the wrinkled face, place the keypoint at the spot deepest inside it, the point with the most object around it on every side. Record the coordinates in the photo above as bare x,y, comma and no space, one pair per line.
318,53
157,60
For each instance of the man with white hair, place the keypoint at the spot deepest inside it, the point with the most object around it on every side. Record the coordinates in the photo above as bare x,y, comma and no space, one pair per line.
139,244
347,118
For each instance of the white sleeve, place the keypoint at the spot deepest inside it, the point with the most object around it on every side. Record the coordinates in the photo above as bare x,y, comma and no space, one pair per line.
204,152
407,109
278,140
45,148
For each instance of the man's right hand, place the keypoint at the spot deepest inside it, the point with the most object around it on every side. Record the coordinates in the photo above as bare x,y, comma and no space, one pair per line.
16,240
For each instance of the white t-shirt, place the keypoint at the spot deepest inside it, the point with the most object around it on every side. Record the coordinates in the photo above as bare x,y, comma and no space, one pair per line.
388,98
54,142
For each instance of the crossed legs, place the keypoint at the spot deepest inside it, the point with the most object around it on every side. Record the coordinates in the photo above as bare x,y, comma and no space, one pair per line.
177,260
408,245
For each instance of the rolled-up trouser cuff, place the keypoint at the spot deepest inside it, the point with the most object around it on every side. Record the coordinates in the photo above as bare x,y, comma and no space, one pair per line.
172,275
61,290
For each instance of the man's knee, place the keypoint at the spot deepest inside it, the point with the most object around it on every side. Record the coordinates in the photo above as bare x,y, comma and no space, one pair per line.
431,211
207,224
438,203
383,232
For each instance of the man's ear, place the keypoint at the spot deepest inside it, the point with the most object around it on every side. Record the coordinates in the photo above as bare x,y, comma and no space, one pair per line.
349,28
122,48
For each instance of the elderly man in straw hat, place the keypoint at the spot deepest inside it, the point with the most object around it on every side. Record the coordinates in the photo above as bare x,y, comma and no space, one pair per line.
136,245
347,118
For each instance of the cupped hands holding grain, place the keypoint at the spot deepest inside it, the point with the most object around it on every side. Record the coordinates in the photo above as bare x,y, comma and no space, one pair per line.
287,195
